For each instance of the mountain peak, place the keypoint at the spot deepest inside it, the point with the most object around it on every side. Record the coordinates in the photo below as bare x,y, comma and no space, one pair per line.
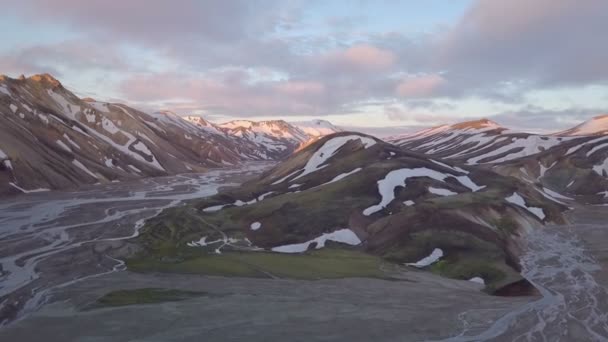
45,79
477,124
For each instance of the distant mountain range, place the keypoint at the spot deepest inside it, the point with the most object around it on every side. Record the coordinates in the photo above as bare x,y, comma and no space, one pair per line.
51,139
574,161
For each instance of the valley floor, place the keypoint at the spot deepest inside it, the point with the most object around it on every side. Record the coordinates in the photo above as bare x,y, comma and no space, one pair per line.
55,251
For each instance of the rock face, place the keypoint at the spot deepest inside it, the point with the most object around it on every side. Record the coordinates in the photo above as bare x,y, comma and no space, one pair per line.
573,162
51,139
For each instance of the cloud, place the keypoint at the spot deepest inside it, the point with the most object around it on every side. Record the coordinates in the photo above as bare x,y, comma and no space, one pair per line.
363,56
230,92
545,42
161,22
420,86
538,119
236,57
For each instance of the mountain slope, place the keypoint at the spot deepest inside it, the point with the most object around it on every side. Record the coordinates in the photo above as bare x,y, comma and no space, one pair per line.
476,142
595,126
50,138
353,189
568,162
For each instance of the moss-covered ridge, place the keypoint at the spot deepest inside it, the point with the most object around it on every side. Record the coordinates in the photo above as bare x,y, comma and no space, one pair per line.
478,230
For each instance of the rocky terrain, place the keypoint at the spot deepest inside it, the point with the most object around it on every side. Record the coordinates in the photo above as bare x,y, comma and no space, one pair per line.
51,139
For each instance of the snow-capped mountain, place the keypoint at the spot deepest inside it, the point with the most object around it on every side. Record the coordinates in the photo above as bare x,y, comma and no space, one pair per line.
51,139
572,162
317,128
476,142
275,139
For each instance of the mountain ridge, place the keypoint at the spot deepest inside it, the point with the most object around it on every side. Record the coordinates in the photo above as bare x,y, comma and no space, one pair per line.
52,139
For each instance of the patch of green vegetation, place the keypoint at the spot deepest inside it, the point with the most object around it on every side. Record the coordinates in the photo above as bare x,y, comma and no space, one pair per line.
145,296
325,263
467,268
506,224
422,243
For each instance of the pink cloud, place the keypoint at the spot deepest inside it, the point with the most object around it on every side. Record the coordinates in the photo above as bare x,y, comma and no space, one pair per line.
420,86
229,95
360,57
301,88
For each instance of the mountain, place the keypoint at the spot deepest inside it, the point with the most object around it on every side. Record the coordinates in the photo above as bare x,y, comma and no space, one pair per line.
353,191
275,139
317,128
50,138
595,126
476,142
573,162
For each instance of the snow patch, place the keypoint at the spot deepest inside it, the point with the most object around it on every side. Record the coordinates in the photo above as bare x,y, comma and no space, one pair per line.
27,191
345,236
429,260
67,137
255,225
328,150
109,126
215,208
109,162
63,145
518,200
395,178
441,192
81,166
4,90
601,169
478,280
343,175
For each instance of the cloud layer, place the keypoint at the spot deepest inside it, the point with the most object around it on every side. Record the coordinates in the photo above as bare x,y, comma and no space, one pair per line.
237,58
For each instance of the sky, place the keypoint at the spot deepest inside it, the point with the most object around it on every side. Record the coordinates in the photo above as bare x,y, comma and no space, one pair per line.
388,66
